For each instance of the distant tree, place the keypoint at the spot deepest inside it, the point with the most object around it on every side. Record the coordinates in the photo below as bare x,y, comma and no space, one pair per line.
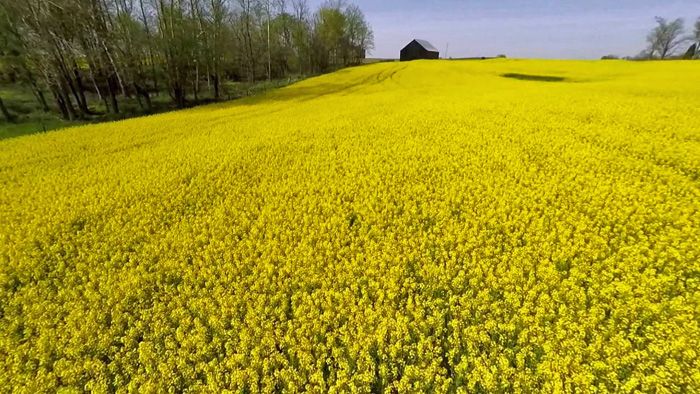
301,36
359,35
690,54
329,26
665,38
643,55
501,56
610,57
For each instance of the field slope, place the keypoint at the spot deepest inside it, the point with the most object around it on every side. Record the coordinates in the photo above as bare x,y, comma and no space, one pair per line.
495,226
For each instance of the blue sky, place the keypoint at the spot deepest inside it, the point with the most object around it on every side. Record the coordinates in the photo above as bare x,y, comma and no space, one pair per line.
564,29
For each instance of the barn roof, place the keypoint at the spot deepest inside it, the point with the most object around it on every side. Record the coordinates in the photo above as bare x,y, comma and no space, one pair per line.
425,44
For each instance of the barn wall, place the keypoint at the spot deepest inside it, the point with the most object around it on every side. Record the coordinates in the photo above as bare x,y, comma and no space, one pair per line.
414,51
411,52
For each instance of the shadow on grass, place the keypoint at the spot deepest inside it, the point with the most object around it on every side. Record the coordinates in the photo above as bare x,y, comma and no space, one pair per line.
31,119
301,93
306,93
540,78
12,130
324,87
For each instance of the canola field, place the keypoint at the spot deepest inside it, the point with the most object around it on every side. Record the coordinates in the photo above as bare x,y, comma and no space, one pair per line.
504,226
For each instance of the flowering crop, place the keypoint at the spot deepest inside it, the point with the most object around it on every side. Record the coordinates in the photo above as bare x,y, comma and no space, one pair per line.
470,227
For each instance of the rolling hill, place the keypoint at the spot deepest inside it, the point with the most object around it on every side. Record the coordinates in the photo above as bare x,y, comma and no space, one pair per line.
491,226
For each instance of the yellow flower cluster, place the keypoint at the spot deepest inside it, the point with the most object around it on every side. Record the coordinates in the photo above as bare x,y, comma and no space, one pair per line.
451,227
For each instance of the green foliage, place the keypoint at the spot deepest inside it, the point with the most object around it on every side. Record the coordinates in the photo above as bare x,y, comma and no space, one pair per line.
30,118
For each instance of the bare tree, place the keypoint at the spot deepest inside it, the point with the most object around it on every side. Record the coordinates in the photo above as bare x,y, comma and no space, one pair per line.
146,24
219,17
665,39
301,34
17,43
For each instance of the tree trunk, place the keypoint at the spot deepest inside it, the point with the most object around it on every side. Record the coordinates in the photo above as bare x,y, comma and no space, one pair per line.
196,82
42,99
111,86
81,106
10,118
105,100
155,78
37,91
178,95
81,90
66,83
250,46
216,87
143,93
208,81
94,84
103,96
61,104
150,47
115,70
65,95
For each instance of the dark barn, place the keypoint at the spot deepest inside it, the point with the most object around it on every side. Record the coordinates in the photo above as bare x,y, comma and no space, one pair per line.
419,49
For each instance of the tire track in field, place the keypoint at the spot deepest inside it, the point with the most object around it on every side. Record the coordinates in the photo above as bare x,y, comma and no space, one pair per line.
397,70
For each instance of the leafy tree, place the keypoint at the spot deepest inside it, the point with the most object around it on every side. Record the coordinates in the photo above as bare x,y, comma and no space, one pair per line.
360,37
132,48
329,23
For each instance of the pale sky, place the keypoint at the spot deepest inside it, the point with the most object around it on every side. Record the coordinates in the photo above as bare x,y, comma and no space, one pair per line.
565,29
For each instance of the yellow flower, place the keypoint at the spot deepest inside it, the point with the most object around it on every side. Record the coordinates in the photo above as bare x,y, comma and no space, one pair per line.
448,229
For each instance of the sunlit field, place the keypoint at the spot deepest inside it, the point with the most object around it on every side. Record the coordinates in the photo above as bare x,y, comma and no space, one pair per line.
447,226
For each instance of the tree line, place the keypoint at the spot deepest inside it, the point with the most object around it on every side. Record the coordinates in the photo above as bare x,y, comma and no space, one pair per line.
118,49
